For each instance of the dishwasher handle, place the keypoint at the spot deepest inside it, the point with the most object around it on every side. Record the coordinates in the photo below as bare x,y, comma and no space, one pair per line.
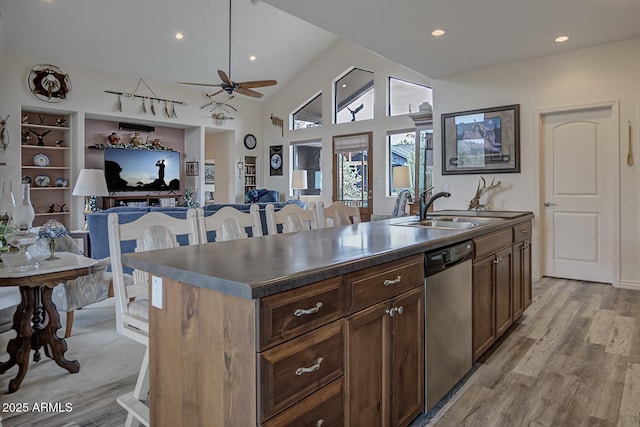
443,259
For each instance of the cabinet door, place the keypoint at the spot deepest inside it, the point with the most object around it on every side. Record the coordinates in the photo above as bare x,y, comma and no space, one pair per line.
483,326
368,367
407,357
503,289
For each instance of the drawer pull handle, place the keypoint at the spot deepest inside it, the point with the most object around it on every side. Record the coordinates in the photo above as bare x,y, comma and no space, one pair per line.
393,281
319,422
301,311
524,231
311,368
496,261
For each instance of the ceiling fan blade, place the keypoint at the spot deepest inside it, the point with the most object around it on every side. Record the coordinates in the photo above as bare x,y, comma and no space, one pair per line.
215,93
257,83
249,92
224,77
200,84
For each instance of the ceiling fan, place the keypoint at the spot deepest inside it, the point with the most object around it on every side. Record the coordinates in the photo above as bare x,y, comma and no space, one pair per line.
228,85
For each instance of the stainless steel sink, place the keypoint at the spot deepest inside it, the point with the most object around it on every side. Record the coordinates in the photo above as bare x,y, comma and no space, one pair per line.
462,218
451,222
429,223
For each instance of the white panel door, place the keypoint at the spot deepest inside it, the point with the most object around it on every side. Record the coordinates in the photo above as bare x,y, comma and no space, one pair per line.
579,185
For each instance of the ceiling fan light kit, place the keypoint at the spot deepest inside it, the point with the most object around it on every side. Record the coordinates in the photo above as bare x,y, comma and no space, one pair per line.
229,86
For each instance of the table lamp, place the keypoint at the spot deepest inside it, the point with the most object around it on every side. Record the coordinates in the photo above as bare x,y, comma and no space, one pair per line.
90,183
401,177
52,230
299,180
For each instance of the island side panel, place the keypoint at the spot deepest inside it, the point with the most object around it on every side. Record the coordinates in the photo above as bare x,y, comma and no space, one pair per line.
202,347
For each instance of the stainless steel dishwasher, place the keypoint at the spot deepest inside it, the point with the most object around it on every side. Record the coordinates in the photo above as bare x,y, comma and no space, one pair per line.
448,319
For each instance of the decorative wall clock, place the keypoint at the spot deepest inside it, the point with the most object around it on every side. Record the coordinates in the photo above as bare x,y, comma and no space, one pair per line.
250,141
49,83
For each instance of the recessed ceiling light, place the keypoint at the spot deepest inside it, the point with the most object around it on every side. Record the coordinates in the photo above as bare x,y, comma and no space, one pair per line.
438,33
179,36
561,39
344,85
252,58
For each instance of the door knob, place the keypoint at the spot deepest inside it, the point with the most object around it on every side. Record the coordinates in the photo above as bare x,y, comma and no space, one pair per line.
548,204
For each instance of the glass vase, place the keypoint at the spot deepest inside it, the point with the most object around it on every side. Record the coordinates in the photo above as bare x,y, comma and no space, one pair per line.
20,236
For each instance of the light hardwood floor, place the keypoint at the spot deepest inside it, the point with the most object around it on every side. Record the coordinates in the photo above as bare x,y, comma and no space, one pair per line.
573,359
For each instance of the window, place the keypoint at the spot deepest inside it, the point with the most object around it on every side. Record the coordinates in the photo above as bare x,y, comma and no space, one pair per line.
354,96
307,155
309,115
406,97
402,152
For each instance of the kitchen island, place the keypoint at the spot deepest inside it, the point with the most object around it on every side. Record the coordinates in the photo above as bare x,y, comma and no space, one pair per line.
283,329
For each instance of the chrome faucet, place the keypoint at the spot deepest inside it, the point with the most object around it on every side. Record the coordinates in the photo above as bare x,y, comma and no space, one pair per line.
424,204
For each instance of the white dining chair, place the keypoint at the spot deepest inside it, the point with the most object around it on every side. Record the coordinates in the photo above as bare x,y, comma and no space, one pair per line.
337,214
291,218
154,230
229,223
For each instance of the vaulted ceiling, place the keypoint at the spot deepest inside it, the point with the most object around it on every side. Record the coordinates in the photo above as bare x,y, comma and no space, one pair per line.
138,37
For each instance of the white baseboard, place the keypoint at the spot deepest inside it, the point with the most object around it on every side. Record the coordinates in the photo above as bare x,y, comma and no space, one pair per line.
629,284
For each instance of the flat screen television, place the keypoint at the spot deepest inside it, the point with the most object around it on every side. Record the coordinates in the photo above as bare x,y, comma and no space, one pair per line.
141,170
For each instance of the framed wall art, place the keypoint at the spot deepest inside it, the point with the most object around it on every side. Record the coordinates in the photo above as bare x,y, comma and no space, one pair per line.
481,141
275,160
192,169
209,173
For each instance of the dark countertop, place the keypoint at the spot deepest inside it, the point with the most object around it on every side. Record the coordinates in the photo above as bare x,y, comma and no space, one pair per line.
260,266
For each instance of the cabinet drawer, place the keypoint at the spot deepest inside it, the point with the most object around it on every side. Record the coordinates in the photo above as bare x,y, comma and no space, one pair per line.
522,231
289,314
323,408
486,245
372,285
298,368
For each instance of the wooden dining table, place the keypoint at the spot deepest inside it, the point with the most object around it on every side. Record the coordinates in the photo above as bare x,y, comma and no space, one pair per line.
36,319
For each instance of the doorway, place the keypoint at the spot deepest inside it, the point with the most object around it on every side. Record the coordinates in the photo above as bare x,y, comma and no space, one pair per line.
352,175
580,186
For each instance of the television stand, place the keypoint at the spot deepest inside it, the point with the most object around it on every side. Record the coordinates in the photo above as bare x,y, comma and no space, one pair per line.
142,200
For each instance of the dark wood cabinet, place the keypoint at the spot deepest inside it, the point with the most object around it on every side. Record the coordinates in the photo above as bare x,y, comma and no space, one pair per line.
501,283
385,362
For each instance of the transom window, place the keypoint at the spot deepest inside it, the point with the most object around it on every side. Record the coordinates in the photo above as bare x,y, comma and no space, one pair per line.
354,96
309,115
405,97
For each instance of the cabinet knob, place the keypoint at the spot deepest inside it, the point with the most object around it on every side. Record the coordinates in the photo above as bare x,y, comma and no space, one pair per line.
303,311
400,310
312,368
320,422
392,281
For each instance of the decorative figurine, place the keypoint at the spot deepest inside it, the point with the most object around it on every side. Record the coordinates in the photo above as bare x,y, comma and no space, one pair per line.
61,122
114,138
4,135
40,136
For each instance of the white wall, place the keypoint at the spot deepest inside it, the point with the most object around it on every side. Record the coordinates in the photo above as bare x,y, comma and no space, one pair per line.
319,76
599,74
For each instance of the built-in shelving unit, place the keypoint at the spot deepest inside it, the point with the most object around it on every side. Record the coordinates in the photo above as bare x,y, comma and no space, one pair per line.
46,163
249,173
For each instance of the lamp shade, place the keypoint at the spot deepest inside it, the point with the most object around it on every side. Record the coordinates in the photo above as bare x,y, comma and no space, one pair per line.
402,177
91,182
299,179
52,229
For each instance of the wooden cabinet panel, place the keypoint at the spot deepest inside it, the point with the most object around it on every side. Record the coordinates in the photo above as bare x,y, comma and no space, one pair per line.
483,313
323,408
289,314
372,285
518,289
503,290
297,368
368,366
385,362
489,244
408,357
522,272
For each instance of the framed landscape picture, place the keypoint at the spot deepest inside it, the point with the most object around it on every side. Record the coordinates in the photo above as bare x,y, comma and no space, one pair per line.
481,141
